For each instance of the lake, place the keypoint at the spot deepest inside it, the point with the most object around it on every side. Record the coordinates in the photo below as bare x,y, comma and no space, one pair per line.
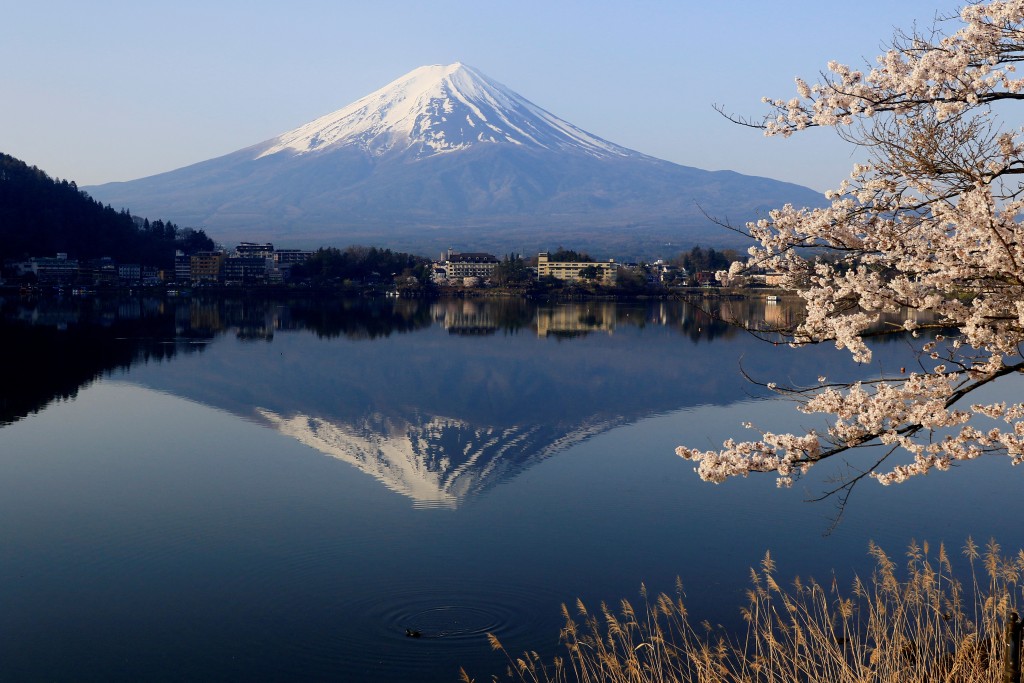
249,489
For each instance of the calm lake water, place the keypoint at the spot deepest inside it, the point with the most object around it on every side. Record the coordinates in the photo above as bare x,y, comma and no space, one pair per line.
252,490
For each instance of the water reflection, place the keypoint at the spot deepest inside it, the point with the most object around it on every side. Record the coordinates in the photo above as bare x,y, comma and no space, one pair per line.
435,461
53,348
706,320
431,417
357,318
178,522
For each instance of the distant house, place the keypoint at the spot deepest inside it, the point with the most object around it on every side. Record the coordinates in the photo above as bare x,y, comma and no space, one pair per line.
182,267
245,270
706,278
289,257
151,275
570,271
668,273
255,250
206,266
284,259
129,273
100,272
250,264
458,266
59,270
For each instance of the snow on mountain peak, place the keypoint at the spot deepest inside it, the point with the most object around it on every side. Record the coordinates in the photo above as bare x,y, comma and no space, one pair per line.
438,109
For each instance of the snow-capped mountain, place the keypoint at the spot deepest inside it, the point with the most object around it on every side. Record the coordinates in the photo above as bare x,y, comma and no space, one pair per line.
438,109
443,156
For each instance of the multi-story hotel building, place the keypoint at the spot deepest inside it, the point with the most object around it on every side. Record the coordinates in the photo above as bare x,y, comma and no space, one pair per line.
472,264
570,270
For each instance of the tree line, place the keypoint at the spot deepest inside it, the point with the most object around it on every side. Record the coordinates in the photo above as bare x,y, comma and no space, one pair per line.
699,259
361,264
41,216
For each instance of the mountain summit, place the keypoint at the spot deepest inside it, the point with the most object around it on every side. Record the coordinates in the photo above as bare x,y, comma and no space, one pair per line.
445,156
440,109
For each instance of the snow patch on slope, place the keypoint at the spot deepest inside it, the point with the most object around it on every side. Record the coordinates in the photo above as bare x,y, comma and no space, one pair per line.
435,461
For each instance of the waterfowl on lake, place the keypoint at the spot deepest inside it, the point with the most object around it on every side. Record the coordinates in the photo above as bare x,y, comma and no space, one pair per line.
410,633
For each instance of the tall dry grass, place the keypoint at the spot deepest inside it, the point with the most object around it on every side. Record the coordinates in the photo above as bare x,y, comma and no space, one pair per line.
918,624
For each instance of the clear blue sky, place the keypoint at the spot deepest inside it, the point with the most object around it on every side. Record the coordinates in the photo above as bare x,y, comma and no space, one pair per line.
117,90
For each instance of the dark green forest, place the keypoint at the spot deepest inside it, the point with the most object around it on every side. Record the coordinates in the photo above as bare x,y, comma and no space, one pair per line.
41,216
362,264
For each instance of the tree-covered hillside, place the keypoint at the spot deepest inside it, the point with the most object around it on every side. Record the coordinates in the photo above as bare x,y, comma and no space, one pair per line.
40,216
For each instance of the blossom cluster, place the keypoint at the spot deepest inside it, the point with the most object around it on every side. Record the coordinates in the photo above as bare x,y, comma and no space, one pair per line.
929,229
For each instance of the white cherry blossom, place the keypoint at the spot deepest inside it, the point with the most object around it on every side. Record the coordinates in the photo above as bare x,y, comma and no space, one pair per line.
930,225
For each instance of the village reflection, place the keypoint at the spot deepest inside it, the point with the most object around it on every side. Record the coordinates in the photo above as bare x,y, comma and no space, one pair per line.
372,318
702,318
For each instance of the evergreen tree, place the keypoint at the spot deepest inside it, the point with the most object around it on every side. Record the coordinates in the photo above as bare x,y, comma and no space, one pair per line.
40,216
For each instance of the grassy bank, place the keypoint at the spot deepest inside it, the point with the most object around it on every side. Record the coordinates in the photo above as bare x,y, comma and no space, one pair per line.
915,620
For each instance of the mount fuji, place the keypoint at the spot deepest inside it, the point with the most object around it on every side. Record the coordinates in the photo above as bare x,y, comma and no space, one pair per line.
442,156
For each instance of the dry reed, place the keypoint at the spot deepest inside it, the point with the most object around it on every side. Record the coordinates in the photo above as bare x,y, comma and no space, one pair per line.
926,626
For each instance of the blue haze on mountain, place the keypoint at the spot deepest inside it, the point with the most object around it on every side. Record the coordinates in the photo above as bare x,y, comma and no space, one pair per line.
444,155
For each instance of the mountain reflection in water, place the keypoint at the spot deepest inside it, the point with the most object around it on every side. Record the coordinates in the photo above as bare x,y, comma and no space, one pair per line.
176,520
433,418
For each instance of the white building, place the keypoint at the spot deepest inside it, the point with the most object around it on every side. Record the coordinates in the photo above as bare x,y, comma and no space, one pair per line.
570,270
471,264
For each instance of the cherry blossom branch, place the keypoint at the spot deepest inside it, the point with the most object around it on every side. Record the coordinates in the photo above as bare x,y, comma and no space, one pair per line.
929,230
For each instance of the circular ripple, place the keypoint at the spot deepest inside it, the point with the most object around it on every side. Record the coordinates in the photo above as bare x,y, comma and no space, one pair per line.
450,621
361,634
459,610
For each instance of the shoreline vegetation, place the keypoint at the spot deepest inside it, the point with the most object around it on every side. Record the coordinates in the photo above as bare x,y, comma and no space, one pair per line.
914,623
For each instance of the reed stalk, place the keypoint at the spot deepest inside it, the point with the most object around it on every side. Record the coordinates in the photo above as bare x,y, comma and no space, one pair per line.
920,622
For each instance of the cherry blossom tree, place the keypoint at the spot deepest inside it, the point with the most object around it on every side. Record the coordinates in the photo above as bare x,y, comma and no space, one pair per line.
929,228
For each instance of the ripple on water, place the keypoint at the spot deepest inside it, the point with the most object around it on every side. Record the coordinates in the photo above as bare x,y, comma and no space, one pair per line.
453,617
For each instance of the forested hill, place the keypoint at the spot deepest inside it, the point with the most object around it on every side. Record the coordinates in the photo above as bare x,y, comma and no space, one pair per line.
40,216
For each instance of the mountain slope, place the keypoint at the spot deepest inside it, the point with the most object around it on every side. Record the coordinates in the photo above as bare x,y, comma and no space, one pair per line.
444,155
437,109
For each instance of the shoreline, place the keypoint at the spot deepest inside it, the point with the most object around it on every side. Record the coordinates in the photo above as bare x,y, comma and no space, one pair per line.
271,291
